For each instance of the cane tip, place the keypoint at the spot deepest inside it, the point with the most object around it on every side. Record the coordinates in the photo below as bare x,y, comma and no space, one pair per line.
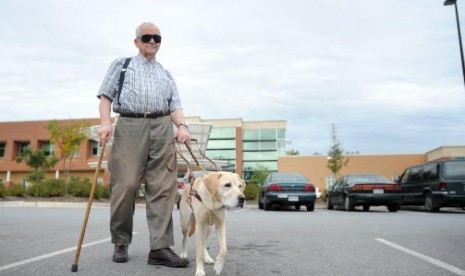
74,268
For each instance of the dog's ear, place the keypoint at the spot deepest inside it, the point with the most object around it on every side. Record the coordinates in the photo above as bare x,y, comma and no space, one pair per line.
242,181
211,182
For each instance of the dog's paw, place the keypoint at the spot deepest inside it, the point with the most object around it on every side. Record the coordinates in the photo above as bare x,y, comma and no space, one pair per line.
200,273
209,260
218,267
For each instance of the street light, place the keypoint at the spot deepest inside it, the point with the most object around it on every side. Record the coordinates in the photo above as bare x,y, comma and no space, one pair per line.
454,2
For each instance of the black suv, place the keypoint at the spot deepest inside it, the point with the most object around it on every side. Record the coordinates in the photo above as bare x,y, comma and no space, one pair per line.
435,184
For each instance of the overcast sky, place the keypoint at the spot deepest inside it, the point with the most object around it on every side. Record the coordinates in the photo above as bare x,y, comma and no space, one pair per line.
386,73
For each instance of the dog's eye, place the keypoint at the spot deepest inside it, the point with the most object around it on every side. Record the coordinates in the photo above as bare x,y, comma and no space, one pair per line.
227,185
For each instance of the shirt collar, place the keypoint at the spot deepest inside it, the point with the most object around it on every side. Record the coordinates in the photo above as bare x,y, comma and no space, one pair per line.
144,60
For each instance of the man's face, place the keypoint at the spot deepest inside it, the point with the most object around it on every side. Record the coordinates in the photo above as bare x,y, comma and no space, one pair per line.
148,49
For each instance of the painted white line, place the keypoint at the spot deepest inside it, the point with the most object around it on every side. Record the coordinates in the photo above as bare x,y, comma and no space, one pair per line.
241,210
439,263
45,256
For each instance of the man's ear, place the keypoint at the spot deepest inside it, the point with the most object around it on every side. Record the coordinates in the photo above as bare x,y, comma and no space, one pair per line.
211,182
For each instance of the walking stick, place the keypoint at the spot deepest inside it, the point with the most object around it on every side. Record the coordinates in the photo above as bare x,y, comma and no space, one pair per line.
74,267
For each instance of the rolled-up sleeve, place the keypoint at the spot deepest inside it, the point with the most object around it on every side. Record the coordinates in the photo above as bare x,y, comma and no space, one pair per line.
175,103
110,82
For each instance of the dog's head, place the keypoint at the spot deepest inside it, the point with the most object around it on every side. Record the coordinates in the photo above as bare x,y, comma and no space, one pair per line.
225,188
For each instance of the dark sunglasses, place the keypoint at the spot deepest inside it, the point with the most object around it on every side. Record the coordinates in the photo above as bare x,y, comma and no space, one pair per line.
148,37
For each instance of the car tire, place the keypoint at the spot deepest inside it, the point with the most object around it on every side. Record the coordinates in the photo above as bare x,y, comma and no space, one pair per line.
311,207
366,208
266,206
393,208
260,204
329,205
348,204
430,204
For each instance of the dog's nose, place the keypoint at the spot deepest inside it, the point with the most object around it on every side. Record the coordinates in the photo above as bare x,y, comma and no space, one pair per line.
241,200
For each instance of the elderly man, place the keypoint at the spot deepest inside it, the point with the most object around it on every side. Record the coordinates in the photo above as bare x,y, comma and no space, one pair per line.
148,104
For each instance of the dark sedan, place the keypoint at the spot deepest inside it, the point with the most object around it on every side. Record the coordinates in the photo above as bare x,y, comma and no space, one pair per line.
365,190
292,189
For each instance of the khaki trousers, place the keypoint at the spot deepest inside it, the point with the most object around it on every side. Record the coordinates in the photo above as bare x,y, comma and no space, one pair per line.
138,150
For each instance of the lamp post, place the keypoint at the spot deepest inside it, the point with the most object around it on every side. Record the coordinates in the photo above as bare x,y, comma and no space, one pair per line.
454,2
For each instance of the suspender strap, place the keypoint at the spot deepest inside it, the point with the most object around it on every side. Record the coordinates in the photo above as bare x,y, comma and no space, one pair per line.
121,79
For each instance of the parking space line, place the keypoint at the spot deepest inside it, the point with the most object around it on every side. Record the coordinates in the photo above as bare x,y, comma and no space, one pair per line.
45,256
431,260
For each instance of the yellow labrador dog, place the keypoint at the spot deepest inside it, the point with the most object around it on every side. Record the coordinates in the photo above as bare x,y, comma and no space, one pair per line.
203,206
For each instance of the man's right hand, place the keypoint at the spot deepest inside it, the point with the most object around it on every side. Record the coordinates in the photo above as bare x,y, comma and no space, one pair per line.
105,133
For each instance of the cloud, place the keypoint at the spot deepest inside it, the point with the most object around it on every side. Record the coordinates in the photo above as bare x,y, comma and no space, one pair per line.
390,80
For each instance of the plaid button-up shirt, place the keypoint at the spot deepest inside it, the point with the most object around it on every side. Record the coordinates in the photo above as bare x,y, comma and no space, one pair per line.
147,87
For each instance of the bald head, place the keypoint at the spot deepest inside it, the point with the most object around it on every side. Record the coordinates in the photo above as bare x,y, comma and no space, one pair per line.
145,25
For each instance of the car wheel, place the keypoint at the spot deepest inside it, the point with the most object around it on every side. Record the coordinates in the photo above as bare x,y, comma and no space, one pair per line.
430,204
297,207
311,207
393,208
329,205
266,206
348,204
366,208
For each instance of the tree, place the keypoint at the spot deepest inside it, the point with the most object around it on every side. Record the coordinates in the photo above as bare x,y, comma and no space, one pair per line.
336,159
38,161
293,152
259,174
67,139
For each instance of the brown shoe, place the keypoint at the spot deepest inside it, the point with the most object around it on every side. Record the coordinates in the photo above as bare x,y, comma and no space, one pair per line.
167,257
120,255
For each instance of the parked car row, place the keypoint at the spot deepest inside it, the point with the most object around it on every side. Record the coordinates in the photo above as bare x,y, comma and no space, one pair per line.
434,184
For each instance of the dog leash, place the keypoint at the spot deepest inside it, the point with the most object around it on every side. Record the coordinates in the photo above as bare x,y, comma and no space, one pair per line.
192,191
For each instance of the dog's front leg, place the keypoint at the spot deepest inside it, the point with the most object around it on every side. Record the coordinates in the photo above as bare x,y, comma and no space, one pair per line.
221,233
200,240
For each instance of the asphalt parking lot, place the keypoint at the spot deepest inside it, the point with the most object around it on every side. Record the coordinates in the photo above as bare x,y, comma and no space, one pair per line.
41,240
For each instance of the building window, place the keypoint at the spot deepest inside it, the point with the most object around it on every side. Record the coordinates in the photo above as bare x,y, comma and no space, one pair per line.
47,147
20,146
251,134
223,133
2,149
330,180
94,148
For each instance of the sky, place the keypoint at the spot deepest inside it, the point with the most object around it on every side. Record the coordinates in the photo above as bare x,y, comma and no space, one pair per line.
386,74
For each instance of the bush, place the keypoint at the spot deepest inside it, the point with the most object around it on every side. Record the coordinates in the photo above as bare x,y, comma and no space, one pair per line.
48,188
79,187
324,194
15,190
2,190
251,191
102,191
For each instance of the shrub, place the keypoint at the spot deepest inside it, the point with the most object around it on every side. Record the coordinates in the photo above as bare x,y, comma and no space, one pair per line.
251,191
102,191
79,187
15,190
48,188
2,190
324,194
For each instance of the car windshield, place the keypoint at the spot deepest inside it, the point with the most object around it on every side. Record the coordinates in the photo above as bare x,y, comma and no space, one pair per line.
361,179
289,178
455,169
